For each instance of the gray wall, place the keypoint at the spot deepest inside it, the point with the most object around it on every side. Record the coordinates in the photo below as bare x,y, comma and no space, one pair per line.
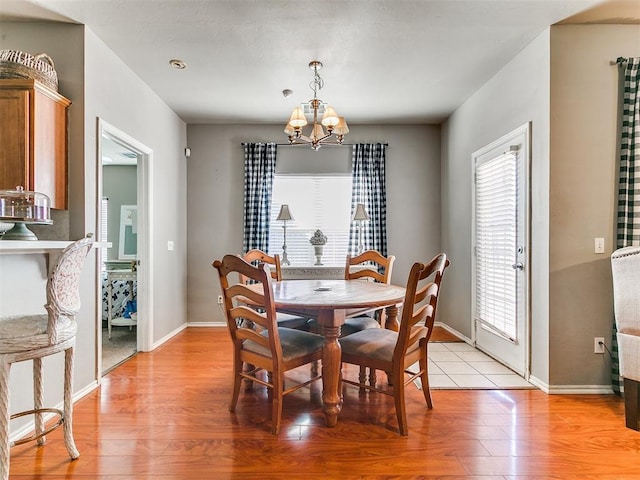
582,197
119,184
116,95
100,85
518,94
215,197
564,84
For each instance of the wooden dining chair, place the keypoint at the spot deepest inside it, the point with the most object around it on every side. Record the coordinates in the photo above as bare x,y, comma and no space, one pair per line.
371,266
374,267
271,348
257,257
397,352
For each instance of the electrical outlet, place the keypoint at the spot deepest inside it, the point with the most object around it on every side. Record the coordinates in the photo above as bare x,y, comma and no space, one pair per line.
220,301
598,345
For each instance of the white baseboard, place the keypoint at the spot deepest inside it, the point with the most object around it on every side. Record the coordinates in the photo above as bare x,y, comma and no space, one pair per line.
453,332
206,324
169,336
571,389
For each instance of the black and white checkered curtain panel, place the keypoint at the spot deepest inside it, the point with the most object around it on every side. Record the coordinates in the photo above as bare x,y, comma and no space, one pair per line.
259,170
628,224
368,188
629,183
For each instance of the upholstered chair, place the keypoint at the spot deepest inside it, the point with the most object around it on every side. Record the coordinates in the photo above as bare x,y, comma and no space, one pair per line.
625,266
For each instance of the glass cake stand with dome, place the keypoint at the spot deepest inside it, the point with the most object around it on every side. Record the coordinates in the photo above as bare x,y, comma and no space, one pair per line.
21,207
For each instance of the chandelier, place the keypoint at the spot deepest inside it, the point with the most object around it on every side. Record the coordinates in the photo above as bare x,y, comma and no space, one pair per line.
336,127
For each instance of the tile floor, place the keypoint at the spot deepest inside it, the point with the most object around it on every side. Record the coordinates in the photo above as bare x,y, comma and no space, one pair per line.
459,365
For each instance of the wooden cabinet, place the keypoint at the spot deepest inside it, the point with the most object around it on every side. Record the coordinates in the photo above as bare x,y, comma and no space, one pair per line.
33,139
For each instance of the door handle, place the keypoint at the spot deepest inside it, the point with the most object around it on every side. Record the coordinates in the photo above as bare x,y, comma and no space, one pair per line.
518,266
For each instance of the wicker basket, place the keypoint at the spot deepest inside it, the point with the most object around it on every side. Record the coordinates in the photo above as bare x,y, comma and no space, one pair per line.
15,64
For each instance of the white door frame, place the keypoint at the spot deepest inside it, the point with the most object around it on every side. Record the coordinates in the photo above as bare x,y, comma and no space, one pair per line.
145,234
519,139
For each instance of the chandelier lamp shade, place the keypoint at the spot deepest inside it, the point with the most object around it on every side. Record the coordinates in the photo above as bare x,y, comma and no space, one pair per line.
316,136
284,216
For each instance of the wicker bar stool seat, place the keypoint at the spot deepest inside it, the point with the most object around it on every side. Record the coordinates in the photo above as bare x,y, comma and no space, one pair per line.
32,337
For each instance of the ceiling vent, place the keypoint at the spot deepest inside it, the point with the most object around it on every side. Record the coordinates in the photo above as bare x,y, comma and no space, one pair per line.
308,109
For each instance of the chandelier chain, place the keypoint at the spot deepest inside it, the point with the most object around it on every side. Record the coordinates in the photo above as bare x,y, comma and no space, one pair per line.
317,83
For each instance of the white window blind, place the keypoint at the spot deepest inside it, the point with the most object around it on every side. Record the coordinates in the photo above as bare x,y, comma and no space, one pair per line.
316,202
104,223
496,215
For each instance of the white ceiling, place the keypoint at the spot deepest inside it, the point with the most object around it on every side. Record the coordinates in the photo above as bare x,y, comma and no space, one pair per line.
391,61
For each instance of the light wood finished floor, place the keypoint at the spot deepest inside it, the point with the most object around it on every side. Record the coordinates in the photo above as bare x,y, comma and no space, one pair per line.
163,415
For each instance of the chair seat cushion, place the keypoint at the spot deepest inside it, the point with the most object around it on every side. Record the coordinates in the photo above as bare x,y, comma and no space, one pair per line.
295,343
29,332
357,324
375,343
629,350
292,321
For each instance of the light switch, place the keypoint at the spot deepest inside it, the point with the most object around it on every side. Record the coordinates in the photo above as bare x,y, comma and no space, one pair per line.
170,245
599,245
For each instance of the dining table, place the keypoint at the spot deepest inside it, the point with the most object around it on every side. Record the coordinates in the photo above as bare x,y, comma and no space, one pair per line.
331,302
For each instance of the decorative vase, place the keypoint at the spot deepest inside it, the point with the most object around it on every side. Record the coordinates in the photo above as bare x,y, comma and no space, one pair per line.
318,250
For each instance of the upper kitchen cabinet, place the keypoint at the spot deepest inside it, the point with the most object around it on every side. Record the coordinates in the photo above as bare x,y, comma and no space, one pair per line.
33,139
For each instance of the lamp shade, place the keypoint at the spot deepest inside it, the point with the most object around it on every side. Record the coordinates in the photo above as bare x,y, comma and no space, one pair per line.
297,119
330,117
341,128
360,213
317,132
289,130
284,214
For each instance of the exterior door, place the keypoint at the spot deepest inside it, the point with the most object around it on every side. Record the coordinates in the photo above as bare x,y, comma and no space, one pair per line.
501,250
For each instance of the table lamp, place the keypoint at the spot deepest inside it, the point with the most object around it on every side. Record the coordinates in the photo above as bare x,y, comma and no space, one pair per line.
360,216
284,215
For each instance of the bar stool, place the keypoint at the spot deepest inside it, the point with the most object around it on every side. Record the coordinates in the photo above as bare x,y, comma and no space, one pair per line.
32,337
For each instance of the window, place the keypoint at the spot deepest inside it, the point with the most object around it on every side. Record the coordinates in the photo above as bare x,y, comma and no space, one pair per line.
104,224
316,202
496,243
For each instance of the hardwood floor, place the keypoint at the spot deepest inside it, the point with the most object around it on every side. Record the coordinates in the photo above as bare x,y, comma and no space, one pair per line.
163,415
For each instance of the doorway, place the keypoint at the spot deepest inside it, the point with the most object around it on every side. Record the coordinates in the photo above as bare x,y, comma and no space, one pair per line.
501,323
124,257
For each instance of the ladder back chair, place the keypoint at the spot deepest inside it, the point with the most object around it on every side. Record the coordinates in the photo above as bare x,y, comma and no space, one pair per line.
269,348
374,267
32,337
398,352
256,257
377,268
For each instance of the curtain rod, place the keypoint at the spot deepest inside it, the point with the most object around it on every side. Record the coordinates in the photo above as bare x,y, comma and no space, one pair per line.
619,60
307,144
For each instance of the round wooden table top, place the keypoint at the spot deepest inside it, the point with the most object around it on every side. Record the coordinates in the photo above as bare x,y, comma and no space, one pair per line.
335,294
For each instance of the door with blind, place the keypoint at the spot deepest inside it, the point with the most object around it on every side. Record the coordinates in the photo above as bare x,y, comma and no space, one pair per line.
501,250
